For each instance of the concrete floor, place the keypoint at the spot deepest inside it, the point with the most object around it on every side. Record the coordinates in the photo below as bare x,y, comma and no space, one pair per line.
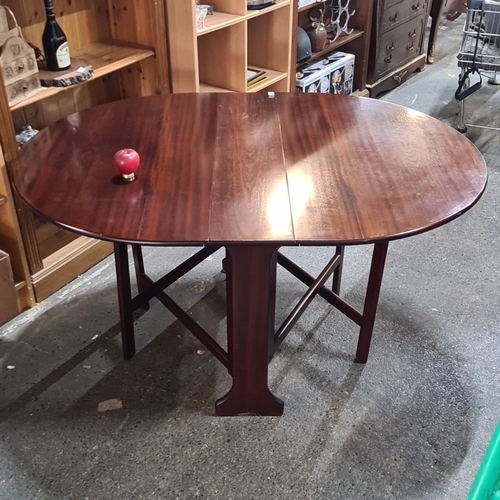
413,423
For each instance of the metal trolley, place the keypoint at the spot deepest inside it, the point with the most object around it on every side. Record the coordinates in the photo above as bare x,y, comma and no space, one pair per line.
479,53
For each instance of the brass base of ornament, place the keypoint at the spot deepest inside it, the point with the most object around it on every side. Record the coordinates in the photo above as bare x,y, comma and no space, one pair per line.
128,177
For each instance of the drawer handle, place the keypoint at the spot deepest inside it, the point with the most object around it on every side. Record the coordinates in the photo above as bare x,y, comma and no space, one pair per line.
388,59
414,34
410,46
390,47
416,6
394,18
399,78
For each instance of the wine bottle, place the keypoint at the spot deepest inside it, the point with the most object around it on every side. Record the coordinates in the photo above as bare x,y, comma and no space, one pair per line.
55,43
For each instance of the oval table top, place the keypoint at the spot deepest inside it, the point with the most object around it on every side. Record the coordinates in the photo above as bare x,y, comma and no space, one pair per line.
228,168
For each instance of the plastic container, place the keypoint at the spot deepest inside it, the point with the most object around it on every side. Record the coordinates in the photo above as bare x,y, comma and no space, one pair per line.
487,483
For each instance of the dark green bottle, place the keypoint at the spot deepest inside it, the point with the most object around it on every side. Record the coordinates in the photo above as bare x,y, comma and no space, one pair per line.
55,43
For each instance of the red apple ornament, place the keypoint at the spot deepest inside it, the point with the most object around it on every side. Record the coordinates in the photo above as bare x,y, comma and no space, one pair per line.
127,162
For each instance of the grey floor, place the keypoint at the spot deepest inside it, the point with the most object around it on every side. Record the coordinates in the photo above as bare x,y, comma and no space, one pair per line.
78,422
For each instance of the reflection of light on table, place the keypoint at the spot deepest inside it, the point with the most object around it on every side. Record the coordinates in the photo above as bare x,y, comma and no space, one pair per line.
414,113
291,197
74,120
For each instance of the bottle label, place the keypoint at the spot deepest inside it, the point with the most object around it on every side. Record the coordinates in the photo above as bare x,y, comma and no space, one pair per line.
62,54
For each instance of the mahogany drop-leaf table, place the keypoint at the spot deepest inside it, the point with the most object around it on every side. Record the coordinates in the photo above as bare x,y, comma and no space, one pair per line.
251,173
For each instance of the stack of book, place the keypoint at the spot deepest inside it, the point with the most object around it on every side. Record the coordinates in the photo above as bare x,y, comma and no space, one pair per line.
255,76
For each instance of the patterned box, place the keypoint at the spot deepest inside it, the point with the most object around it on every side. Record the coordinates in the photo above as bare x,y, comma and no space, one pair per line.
332,75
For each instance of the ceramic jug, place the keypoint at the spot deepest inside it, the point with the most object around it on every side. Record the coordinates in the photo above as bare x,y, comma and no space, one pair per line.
317,34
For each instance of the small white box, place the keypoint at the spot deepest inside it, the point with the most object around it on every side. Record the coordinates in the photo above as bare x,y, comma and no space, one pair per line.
303,3
332,75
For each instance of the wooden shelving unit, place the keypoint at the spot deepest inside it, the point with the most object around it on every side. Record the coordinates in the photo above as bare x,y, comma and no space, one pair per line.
357,42
216,57
125,41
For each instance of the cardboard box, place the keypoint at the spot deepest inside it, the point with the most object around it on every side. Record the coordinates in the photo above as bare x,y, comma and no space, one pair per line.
332,75
9,308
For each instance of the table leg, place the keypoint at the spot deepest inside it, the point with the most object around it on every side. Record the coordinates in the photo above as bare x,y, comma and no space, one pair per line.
125,299
337,274
436,12
139,271
251,297
371,301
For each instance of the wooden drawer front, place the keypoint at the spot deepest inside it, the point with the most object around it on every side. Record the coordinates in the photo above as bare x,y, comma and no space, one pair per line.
399,45
400,13
390,3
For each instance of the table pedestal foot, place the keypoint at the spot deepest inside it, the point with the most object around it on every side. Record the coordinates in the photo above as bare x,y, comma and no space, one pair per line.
371,301
251,297
252,401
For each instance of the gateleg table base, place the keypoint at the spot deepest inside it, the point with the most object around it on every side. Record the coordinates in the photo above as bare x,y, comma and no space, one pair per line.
251,297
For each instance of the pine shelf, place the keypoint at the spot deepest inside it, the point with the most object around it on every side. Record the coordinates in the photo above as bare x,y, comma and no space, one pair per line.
205,87
105,59
220,20
336,45
271,78
260,12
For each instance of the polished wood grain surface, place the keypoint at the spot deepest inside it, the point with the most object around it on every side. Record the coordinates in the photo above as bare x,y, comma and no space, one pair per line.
225,168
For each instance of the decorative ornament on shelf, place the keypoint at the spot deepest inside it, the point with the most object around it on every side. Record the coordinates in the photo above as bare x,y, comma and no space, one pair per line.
127,162
318,36
17,60
337,18
79,71
316,30
26,134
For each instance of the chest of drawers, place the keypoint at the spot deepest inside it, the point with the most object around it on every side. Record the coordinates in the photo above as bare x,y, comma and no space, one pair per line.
397,42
